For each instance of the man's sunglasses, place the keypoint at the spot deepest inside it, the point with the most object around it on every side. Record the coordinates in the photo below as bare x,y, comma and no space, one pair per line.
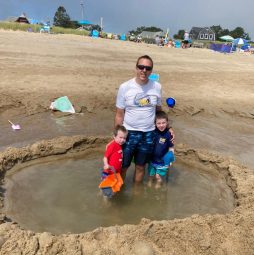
142,67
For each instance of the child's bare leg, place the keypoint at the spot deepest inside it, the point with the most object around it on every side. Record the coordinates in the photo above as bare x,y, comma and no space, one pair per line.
158,181
167,174
150,181
123,173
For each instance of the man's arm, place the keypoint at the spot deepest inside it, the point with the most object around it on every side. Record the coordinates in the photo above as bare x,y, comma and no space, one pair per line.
119,116
105,163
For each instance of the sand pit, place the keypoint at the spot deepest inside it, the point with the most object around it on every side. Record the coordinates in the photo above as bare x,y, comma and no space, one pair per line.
197,234
213,116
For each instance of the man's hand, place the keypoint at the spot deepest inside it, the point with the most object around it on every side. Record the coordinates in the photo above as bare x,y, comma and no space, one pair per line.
172,134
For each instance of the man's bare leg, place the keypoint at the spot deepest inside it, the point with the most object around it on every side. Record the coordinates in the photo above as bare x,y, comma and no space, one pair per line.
139,173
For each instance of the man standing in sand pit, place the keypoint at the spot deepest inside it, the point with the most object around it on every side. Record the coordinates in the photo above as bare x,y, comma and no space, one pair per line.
137,102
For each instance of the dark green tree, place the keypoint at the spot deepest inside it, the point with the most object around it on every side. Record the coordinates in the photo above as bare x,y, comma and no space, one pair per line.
217,29
61,18
74,24
139,30
180,34
96,27
236,33
239,32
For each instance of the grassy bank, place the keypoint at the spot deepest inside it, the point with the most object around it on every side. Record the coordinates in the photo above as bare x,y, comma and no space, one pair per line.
36,28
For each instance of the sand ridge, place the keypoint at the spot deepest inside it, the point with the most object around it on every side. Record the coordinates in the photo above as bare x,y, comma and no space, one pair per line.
209,234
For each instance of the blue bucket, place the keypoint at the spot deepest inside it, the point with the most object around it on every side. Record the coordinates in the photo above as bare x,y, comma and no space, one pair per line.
171,102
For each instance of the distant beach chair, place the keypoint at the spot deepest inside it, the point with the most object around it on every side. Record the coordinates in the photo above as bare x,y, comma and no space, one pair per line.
123,37
45,29
178,44
95,34
109,35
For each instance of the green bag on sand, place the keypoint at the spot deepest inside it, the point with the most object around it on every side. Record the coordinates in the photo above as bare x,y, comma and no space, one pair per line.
62,104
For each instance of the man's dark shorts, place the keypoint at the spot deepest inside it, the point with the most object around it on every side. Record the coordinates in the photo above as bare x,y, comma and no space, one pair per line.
138,145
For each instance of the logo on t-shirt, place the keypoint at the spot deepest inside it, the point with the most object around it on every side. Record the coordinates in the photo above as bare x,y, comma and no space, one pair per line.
142,100
162,140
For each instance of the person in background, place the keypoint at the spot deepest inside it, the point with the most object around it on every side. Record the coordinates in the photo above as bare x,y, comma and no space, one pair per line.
186,38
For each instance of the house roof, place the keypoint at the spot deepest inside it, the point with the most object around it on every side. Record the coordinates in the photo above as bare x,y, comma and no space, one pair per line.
148,34
197,30
22,19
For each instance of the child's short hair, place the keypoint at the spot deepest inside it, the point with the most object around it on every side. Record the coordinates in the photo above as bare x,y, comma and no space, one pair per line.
119,128
161,115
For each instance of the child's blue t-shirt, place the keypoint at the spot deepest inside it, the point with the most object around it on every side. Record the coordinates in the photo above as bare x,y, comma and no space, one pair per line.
161,145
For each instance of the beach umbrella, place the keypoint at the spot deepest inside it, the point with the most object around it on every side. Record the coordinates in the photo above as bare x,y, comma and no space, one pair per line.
239,41
227,38
85,22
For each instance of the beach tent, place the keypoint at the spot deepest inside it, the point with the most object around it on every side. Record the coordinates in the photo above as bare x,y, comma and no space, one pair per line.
223,48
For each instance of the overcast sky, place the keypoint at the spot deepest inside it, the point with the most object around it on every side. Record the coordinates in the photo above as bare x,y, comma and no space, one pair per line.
121,16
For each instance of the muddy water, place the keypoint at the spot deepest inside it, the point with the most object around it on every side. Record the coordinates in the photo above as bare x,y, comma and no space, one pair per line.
213,133
62,196
49,125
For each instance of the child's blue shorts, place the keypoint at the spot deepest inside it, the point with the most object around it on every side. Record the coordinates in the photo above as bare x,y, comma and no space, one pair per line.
161,169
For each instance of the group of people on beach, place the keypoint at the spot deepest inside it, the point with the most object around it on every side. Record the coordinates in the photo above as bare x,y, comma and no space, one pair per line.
142,131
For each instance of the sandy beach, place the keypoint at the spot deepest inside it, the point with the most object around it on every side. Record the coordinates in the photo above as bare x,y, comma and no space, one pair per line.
213,121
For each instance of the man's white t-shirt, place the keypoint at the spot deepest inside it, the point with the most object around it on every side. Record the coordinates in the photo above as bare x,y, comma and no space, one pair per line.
139,103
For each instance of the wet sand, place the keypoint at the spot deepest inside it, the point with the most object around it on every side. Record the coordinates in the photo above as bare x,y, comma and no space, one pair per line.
214,112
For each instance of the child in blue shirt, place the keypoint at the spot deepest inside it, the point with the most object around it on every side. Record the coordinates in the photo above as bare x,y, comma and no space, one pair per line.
163,152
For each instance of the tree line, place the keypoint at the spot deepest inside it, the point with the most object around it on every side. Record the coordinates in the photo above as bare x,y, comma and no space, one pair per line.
62,19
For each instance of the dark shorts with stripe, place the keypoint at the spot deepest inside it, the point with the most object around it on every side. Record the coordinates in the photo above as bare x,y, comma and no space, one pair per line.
139,145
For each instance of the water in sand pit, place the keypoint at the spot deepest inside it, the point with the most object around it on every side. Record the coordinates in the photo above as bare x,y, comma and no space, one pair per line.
63,196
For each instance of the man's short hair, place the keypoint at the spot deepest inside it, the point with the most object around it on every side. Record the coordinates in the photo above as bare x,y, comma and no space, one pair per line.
119,128
145,57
